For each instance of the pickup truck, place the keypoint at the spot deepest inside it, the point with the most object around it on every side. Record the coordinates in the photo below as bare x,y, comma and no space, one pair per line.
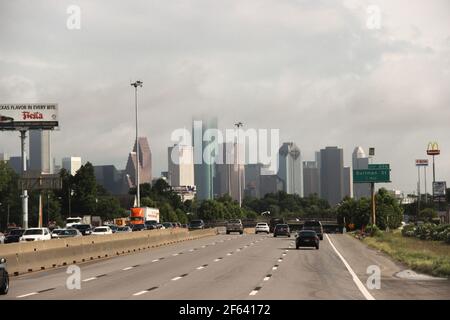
235,225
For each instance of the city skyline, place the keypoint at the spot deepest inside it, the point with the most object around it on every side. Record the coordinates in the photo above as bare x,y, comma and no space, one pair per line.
353,97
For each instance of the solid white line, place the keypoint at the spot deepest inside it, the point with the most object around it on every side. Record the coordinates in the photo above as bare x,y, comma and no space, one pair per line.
140,293
355,278
176,278
27,295
128,268
253,292
89,279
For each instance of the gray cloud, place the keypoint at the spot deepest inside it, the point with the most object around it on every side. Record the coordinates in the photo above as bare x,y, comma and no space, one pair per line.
310,68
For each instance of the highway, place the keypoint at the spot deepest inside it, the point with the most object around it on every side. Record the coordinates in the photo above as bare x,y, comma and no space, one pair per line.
234,267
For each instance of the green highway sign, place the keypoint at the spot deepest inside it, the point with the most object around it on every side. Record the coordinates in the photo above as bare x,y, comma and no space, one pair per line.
371,175
379,166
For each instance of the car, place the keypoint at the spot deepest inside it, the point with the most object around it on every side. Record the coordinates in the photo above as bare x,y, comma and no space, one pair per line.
85,229
70,233
113,227
151,224
314,225
235,225
168,225
307,238
282,230
2,238
124,229
273,222
103,230
14,235
262,227
4,277
36,234
196,225
176,224
185,226
137,227
55,233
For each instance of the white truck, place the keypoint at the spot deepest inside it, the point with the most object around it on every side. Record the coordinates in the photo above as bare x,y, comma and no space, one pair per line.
73,220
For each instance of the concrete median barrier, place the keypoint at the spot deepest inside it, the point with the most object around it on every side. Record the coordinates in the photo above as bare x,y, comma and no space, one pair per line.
33,256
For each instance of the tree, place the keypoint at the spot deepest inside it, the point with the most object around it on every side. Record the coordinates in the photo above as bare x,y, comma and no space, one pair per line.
108,207
427,214
84,185
9,196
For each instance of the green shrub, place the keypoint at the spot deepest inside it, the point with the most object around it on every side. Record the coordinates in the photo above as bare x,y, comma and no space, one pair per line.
373,231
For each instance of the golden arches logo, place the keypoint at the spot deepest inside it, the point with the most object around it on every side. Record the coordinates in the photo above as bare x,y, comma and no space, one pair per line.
433,149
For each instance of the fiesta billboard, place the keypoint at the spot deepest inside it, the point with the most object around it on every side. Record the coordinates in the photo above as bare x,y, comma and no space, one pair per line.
28,116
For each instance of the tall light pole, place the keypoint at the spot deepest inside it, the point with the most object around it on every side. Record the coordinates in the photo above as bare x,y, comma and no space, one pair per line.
239,125
138,196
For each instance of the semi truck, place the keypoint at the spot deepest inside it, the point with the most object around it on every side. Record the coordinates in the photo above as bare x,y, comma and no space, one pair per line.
142,214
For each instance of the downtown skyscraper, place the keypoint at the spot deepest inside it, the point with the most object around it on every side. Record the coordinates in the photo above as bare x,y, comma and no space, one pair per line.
290,168
332,175
205,147
145,163
40,151
360,161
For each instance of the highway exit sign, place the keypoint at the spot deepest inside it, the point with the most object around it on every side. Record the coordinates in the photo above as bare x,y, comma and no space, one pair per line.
379,166
371,175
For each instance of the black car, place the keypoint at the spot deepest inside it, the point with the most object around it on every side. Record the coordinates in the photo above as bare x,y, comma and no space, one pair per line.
151,224
4,277
137,227
14,235
196,225
307,238
281,230
85,229
314,225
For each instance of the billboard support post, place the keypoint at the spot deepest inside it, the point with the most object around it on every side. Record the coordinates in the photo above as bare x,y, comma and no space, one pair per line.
23,135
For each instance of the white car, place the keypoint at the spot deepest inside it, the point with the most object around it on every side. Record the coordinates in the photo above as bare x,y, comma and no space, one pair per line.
56,232
102,230
262,227
2,238
36,234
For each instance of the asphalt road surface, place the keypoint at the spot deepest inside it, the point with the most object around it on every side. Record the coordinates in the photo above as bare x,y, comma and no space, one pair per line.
228,267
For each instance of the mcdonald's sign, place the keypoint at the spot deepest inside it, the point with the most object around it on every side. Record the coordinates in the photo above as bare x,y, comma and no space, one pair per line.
433,149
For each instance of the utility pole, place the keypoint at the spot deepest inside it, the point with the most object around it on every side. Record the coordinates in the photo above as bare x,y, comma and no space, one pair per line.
239,125
138,163
372,192
24,195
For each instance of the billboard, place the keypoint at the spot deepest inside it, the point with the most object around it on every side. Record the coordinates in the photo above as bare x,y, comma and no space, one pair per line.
28,116
422,162
439,188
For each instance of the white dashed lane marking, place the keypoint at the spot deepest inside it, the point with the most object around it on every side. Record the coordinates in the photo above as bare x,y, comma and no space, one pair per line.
27,295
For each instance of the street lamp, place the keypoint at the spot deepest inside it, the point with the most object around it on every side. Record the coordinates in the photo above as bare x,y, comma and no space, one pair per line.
138,196
239,125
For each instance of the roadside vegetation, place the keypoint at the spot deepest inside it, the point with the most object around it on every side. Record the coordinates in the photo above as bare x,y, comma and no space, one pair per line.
431,257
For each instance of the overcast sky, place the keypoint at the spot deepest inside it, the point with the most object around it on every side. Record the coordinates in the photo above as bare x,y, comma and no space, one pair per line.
317,70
